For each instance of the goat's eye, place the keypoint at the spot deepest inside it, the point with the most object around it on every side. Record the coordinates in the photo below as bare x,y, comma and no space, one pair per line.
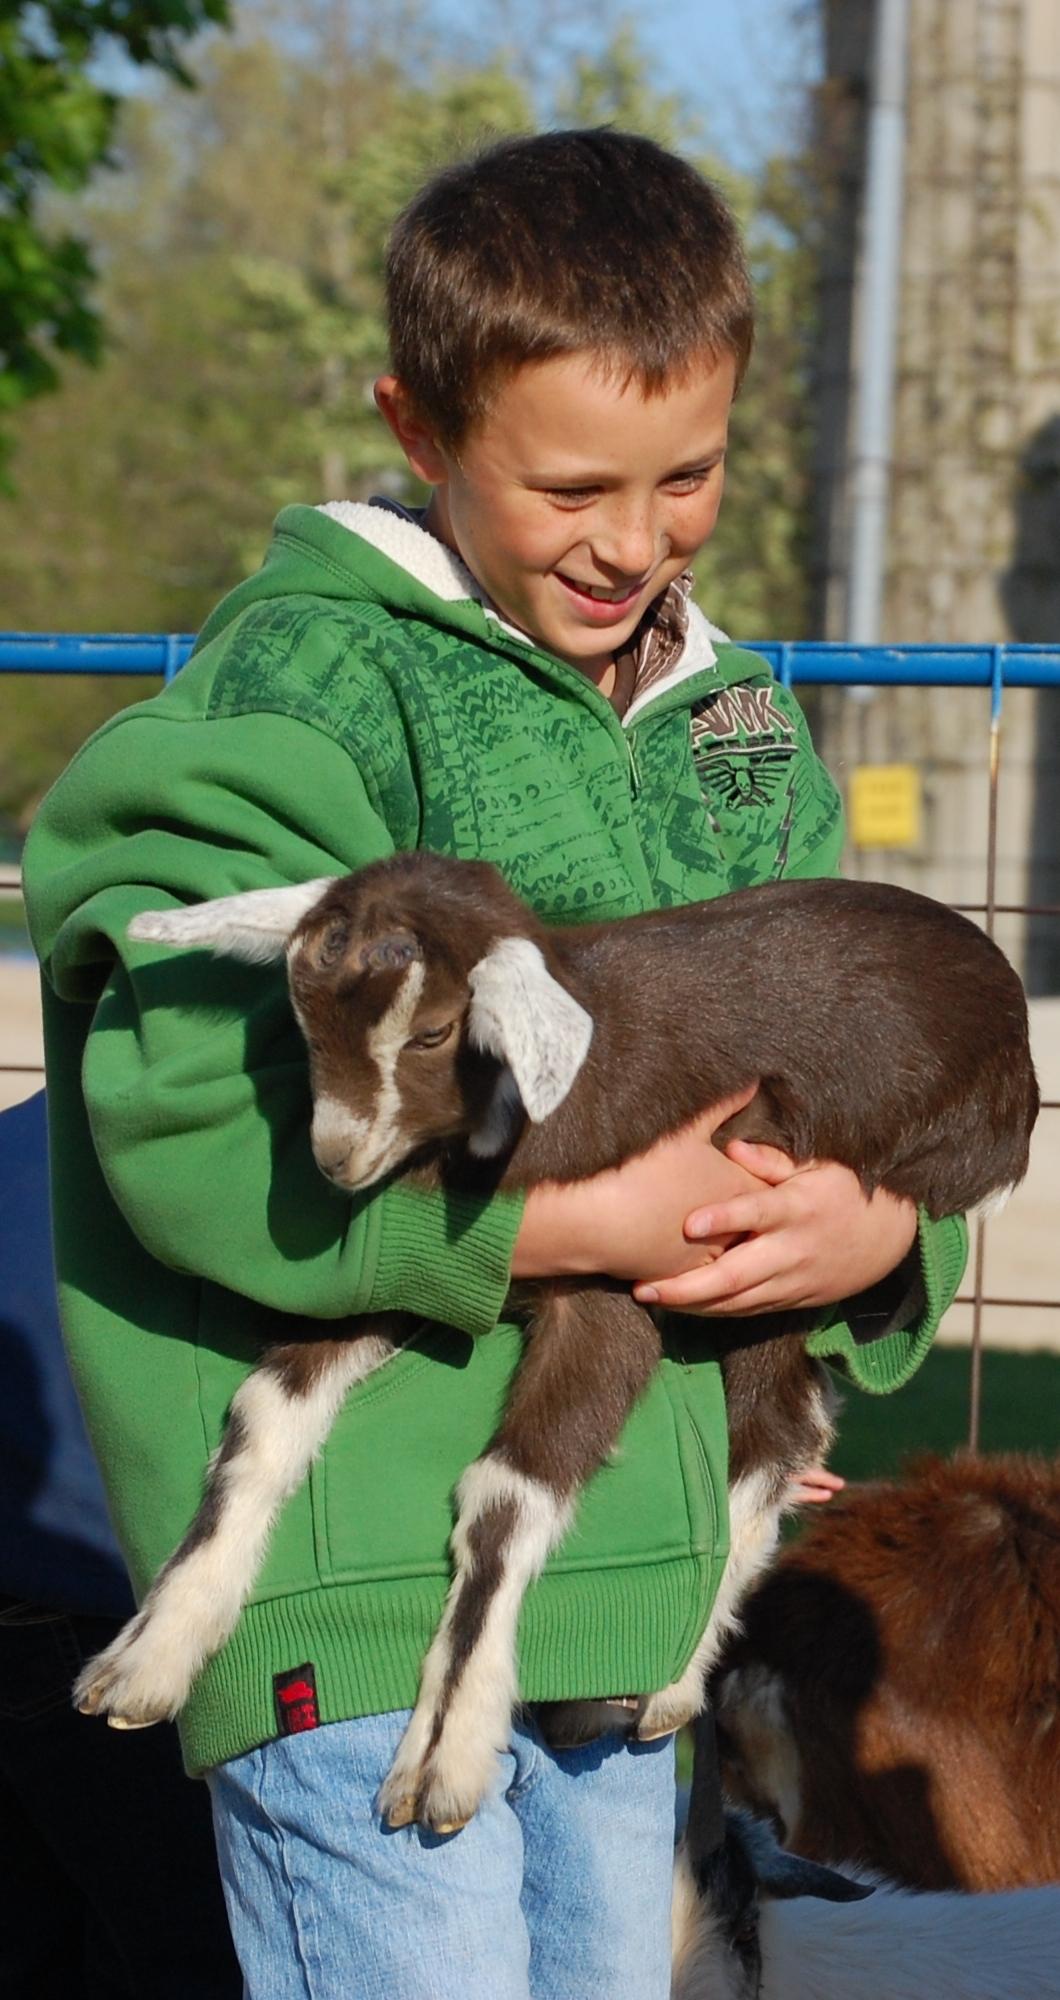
431,1038
333,943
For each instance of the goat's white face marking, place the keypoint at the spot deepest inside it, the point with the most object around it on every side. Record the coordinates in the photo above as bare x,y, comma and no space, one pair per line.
526,1018
366,1144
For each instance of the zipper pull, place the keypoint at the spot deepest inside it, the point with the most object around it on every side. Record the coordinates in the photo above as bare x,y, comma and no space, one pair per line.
634,774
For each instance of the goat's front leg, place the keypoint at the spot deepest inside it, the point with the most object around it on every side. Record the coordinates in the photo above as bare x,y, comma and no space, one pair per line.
590,1353
278,1421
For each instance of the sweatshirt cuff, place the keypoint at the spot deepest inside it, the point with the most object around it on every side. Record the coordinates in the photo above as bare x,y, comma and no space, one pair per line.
886,1363
445,1256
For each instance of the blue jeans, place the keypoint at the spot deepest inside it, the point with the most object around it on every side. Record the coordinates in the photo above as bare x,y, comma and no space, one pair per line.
558,1889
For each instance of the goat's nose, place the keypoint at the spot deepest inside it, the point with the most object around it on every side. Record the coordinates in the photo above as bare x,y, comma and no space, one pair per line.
331,1159
335,1133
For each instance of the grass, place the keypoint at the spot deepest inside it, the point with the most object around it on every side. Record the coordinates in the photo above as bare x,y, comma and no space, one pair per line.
1020,1412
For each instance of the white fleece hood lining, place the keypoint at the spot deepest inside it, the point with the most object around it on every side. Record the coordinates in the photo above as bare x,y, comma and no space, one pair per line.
421,555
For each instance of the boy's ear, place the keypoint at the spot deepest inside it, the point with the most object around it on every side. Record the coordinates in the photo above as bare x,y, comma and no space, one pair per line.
415,437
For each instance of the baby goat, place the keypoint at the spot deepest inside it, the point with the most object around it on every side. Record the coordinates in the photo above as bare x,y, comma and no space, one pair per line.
448,1027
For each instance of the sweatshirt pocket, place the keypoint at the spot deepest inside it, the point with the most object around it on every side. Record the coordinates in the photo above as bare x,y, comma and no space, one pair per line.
383,1489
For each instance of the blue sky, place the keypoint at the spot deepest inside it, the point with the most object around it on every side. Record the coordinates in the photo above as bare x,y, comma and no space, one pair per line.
744,64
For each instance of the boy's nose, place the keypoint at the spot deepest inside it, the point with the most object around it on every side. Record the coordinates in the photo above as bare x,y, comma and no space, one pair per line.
632,546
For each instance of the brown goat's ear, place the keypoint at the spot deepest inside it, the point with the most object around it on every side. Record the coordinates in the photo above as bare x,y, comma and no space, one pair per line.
255,925
522,1015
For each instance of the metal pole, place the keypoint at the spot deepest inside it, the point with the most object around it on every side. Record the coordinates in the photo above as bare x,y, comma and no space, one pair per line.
880,282
975,1380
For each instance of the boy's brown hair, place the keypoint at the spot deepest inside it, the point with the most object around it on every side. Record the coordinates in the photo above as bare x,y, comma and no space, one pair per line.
552,245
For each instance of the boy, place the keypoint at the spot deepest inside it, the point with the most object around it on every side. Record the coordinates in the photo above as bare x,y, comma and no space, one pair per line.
520,676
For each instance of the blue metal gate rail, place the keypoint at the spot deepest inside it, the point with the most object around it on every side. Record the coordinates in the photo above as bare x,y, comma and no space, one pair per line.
807,662
803,663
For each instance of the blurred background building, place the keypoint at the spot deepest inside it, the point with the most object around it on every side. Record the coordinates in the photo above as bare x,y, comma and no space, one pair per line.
973,541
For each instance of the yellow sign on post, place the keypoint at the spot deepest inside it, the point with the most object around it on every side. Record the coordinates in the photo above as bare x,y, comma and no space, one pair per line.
885,805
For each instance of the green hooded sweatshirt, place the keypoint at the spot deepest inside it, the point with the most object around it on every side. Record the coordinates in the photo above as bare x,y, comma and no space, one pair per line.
355,698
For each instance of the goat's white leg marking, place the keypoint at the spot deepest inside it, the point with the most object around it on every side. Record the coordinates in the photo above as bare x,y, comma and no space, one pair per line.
756,1503
462,1720
754,1523
191,1609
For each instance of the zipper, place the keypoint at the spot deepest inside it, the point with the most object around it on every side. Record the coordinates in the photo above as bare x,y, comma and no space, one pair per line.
634,774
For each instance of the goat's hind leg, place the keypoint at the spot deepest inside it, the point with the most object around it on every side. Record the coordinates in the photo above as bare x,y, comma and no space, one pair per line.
279,1419
589,1355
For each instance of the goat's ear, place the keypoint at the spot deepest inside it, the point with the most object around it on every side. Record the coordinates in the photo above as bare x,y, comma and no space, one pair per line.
255,925
525,1017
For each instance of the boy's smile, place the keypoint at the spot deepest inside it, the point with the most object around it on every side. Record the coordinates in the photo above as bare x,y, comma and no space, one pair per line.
578,498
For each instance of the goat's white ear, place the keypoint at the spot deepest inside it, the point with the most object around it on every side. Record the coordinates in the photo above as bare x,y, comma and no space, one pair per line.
255,925
521,1014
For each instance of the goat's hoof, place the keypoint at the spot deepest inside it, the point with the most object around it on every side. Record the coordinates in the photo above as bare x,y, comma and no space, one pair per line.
401,1813
105,1688
663,1714
449,1825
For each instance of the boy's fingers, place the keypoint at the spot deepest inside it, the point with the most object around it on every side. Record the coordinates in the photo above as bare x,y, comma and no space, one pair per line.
745,1279
814,1487
742,1215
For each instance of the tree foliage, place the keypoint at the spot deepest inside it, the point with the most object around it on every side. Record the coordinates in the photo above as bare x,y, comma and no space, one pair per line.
56,123
240,243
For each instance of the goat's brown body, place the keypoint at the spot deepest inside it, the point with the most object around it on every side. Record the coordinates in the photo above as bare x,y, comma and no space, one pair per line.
920,1080
898,1679
793,985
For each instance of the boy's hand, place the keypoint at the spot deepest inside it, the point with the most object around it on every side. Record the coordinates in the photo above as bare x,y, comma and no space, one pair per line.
632,1220
813,1487
808,1238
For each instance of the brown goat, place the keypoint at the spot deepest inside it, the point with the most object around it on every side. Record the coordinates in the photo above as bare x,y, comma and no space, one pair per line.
894,1696
447,1027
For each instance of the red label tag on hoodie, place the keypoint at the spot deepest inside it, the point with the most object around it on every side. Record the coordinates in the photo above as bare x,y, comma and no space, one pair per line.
296,1700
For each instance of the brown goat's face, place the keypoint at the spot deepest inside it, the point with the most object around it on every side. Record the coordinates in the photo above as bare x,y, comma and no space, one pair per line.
385,1022
423,990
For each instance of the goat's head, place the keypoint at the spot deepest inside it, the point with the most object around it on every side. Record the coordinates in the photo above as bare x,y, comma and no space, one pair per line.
718,1902
422,987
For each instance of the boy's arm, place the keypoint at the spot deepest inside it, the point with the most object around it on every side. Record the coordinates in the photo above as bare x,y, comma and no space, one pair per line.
194,1071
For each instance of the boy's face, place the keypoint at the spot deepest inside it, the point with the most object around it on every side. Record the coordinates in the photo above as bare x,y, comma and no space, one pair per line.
572,485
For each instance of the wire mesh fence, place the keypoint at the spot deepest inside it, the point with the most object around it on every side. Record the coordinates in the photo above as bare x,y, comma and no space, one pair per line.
995,671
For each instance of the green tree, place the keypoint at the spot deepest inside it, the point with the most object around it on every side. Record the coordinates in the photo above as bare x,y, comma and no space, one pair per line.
56,124
240,241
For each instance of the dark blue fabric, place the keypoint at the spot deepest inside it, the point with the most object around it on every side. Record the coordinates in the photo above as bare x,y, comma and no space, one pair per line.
56,1543
110,1885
